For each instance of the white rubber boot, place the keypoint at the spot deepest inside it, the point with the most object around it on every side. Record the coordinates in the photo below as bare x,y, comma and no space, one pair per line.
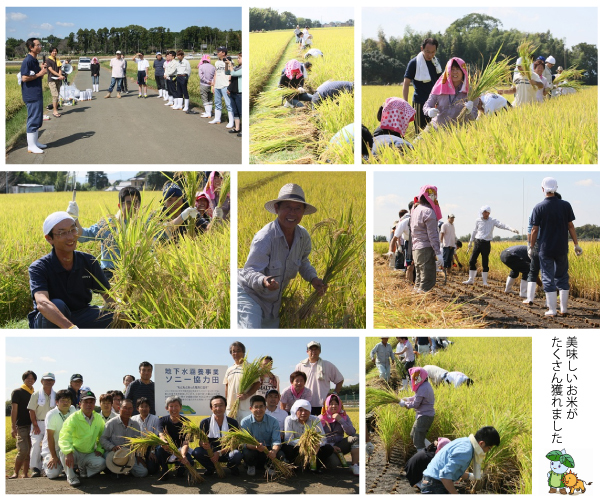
31,145
509,284
159,93
564,298
471,279
551,301
166,96
186,104
523,290
484,279
209,110
531,287
217,118
37,141
205,114
231,123
170,102
178,103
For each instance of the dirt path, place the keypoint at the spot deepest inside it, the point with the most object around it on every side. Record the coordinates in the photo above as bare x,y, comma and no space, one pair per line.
337,481
128,130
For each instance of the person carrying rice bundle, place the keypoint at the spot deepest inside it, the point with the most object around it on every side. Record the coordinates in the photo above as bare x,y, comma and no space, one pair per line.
524,88
293,76
423,403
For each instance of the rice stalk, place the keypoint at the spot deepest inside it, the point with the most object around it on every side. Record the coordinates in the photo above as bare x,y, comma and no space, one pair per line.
569,78
343,248
190,431
309,444
526,50
251,372
236,438
380,397
225,189
191,183
386,424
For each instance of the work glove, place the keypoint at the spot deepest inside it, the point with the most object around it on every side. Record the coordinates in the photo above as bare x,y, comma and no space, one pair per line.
578,250
471,476
402,403
516,231
440,257
189,212
370,447
218,213
301,90
469,106
73,210
469,247
433,112
530,252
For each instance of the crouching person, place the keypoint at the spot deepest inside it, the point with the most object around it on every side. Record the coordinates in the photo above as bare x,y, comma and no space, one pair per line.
113,440
54,421
213,426
79,441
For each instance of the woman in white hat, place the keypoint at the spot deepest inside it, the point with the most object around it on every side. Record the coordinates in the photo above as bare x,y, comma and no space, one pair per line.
525,89
279,251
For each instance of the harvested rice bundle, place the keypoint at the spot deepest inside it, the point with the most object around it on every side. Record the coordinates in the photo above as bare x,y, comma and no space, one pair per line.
569,79
388,430
309,444
251,372
526,50
236,438
191,432
381,397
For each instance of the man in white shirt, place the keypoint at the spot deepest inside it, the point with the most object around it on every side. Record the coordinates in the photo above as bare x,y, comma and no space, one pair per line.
54,421
273,409
40,404
147,423
142,74
524,88
448,241
220,83
117,64
184,71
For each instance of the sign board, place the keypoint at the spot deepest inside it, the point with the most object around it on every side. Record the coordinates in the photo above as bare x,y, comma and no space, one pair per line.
194,384
203,46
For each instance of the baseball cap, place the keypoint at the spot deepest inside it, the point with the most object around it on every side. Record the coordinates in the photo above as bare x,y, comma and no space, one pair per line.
76,376
271,392
48,376
159,53
451,216
88,395
118,52
222,49
313,343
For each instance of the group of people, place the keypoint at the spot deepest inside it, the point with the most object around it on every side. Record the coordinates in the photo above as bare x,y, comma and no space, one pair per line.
64,431
303,37
223,81
64,300
440,98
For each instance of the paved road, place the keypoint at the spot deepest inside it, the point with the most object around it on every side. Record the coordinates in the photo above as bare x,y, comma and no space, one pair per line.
128,130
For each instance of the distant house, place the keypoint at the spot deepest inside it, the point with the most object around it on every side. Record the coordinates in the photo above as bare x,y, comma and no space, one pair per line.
136,182
32,188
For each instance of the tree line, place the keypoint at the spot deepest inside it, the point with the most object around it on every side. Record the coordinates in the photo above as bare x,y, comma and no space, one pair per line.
270,19
132,39
474,38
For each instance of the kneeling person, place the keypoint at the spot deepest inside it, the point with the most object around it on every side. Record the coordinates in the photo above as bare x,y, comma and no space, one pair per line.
55,419
62,282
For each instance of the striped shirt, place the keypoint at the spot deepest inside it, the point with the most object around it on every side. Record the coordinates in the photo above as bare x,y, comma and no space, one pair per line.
484,229
136,390
151,423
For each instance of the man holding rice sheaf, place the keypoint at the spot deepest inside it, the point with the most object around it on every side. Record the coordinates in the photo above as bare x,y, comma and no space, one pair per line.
279,251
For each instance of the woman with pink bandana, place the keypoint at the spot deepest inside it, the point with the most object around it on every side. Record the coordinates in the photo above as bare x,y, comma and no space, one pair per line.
293,76
336,423
394,117
206,72
449,96
212,191
422,402
425,238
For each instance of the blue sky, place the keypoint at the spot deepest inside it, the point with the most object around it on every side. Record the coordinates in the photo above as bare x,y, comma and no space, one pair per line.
577,24
462,193
23,22
103,361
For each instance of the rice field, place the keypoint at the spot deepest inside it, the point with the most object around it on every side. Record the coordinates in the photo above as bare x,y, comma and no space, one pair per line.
184,285
343,306
301,135
499,397
569,134
264,61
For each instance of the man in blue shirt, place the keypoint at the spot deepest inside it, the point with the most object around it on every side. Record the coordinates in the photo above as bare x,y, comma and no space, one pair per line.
129,203
32,75
265,430
452,461
62,282
423,71
552,221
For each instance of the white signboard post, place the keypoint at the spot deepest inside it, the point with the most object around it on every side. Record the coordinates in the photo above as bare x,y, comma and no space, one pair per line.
194,384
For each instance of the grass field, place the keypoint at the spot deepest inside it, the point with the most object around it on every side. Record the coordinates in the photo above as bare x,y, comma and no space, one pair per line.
569,134
281,135
584,273
194,271
344,303
499,397
11,451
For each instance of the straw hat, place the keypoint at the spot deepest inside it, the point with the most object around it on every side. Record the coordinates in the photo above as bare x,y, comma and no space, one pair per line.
290,192
120,461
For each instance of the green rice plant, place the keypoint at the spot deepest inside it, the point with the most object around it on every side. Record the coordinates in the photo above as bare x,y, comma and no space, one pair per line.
386,425
309,443
191,182
345,243
150,440
376,398
266,50
190,431
236,438
225,189
251,373
526,50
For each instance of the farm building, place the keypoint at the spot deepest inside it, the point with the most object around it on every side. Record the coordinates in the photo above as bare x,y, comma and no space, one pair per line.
32,188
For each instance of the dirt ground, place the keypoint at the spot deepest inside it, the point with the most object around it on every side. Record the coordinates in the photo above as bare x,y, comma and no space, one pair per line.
336,481
497,309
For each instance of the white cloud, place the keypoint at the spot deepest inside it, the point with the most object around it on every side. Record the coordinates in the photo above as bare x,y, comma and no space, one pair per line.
16,16
48,359
46,26
34,34
585,183
387,201
17,359
58,23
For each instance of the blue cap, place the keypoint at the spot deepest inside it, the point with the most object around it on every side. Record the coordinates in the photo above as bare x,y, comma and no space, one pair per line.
170,190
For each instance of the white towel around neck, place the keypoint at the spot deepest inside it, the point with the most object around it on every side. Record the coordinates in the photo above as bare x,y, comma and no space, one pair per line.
422,73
